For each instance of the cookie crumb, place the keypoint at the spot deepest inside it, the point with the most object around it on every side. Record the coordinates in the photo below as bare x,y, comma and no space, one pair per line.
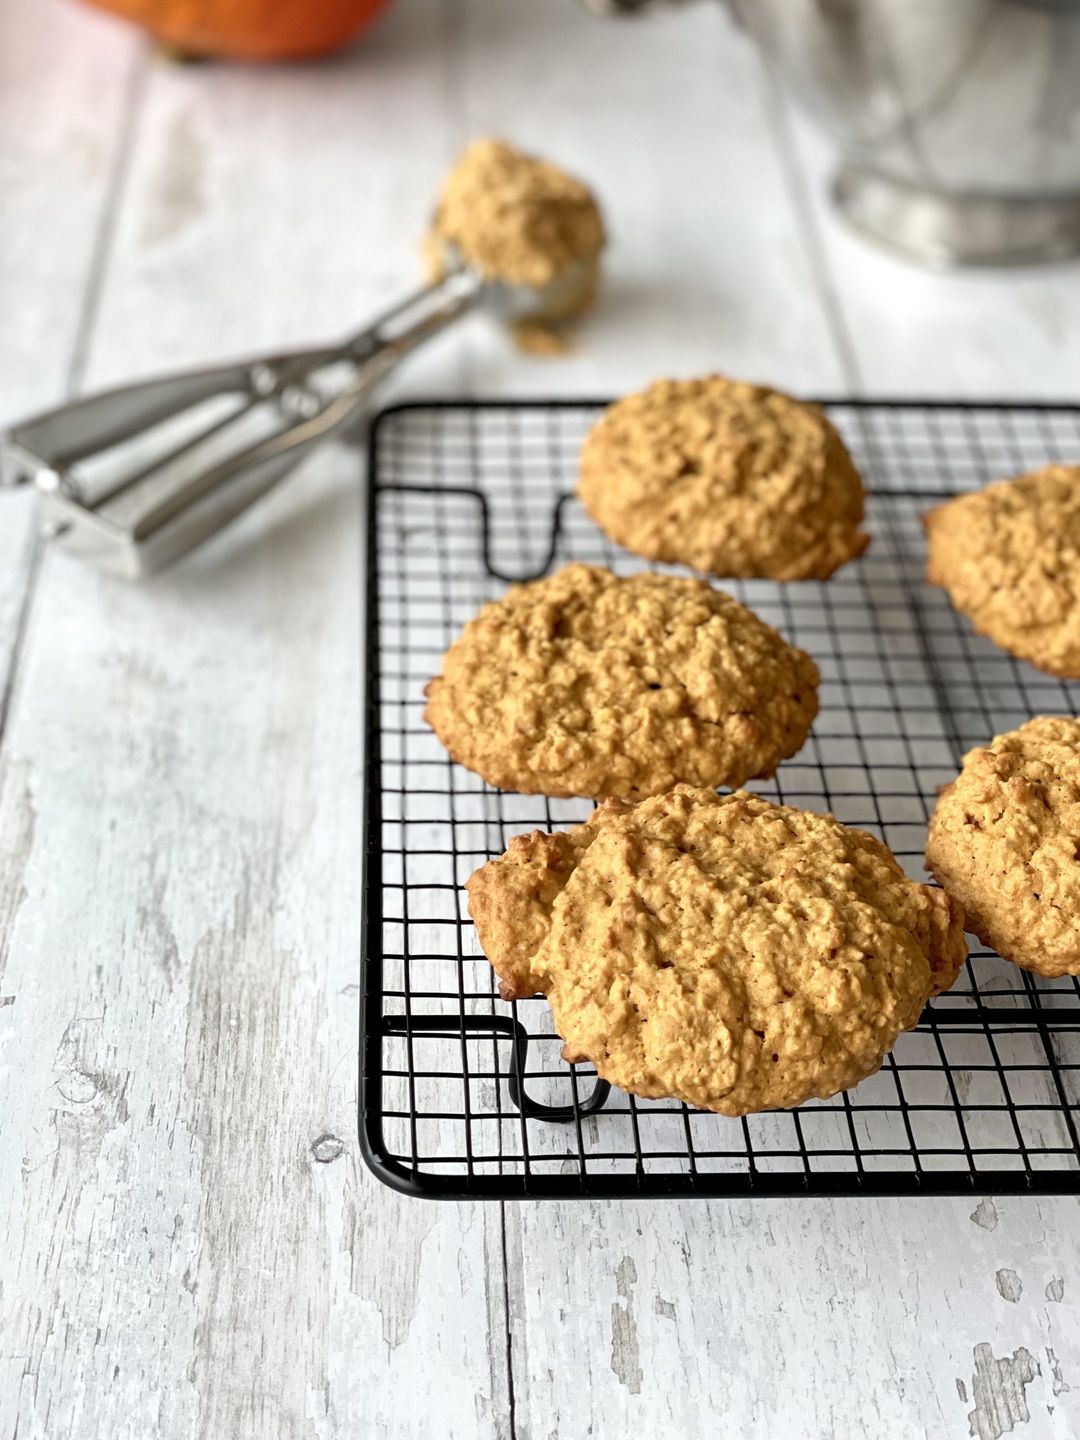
533,337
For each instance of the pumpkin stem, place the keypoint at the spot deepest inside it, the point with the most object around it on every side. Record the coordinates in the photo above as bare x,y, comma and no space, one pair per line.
177,55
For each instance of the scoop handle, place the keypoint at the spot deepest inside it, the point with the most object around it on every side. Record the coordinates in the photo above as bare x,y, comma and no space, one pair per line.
60,437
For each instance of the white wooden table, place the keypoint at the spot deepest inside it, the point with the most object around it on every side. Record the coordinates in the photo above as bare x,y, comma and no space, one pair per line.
193,1247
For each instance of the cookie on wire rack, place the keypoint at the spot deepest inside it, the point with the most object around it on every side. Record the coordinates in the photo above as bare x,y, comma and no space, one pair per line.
1009,558
586,683
720,950
729,478
1004,839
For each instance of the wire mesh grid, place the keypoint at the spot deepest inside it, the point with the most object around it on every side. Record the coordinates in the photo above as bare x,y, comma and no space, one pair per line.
463,1094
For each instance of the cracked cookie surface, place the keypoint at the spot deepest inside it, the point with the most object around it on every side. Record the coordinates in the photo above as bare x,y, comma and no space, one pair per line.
1009,558
1005,840
585,683
721,950
727,477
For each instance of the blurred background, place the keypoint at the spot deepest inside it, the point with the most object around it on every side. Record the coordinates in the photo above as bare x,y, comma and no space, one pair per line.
159,213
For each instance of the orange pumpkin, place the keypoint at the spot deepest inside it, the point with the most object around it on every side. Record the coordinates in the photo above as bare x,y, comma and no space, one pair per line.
249,29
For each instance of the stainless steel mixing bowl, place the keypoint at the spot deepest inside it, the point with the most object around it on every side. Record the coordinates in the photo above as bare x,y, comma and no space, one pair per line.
958,120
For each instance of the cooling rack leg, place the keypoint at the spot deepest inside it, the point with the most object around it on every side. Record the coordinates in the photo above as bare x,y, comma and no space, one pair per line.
452,1026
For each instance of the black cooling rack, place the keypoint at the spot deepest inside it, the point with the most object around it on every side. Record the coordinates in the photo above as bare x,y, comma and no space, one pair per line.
464,1095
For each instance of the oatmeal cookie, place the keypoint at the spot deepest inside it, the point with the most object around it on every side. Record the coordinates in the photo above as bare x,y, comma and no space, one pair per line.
519,220
1009,557
726,477
584,683
721,950
1005,840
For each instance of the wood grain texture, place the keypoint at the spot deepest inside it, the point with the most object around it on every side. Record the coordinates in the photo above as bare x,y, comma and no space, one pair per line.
66,82
185,1216
194,1248
816,1319
67,76
18,545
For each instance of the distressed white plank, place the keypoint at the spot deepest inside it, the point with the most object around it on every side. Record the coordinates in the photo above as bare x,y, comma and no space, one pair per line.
64,83
17,545
705,269
284,205
192,1035
801,1319
194,1248
65,78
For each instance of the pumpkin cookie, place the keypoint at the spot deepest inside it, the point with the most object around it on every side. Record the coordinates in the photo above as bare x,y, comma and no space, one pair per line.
1009,557
726,477
520,220
720,950
1005,840
587,684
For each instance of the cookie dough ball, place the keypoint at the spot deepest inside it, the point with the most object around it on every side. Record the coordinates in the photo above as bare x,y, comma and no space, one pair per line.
1009,557
726,477
1005,841
720,950
520,220
584,683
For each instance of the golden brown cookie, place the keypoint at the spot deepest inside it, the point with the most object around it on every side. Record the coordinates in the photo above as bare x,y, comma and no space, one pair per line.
517,219
587,684
729,478
720,950
1009,557
1005,840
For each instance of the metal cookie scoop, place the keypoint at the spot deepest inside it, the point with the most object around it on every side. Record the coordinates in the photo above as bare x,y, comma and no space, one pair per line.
134,477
